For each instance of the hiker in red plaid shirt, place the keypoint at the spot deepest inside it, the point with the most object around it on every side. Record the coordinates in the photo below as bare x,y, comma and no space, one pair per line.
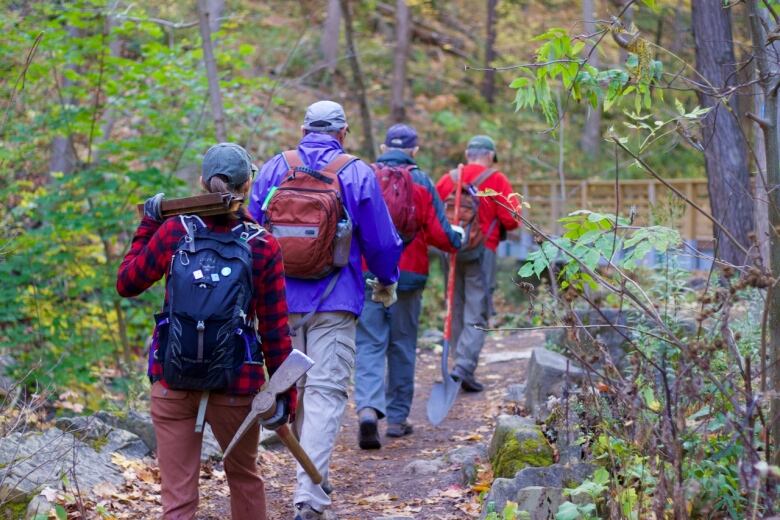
226,167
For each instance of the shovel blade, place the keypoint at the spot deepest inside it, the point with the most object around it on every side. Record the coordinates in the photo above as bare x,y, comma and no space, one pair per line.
441,400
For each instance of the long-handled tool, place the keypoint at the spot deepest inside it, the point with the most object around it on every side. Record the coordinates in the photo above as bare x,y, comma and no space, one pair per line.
443,394
264,406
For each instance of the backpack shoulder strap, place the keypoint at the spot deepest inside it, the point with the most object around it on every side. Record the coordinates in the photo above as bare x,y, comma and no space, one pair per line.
292,159
483,177
250,230
341,161
191,223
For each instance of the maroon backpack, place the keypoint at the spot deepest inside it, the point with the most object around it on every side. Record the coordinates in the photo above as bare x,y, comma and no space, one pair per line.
398,191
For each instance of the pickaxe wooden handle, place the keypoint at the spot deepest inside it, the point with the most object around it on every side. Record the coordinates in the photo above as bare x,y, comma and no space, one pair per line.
289,440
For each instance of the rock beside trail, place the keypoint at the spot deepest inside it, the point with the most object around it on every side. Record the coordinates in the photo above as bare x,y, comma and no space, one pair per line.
548,373
103,437
538,491
517,443
34,460
139,423
468,457
430,338
424,467
515,393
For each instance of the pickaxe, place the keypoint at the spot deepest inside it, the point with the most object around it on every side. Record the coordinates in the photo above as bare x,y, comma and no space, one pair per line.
264,406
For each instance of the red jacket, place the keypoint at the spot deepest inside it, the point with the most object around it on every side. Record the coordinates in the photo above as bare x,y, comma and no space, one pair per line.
149,259
489,209
432,224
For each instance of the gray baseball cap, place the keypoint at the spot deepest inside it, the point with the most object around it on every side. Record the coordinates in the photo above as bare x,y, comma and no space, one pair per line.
483,142
230,160
324,116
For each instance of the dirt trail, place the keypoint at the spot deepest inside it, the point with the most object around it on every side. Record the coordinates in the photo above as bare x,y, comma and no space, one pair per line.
373,484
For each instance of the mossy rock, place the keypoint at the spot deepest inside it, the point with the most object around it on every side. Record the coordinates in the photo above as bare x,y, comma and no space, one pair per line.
518,443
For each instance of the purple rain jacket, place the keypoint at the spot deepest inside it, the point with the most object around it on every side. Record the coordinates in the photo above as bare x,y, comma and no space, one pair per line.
373,236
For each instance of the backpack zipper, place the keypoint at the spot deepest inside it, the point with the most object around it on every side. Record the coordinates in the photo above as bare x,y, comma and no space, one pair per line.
201,328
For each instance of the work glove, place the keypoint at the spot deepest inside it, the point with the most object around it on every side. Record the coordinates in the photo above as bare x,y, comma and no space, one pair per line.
461,233
280,416
152,207
384,294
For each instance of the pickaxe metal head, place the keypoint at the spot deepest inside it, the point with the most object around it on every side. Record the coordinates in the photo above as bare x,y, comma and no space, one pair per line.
263,405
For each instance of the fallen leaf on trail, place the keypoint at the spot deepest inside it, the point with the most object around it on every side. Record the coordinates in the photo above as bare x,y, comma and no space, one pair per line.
50,494
452,492
377,499
479,488
104,489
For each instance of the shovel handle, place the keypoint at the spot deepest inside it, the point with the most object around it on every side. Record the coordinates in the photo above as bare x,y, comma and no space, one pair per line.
451,272
289,440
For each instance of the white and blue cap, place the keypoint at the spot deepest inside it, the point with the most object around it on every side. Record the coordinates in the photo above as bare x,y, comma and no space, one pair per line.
230,160
324,116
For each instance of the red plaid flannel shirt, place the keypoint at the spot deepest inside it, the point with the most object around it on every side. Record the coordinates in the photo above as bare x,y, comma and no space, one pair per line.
149,259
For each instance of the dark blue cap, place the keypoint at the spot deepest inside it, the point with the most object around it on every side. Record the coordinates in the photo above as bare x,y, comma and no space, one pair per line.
401,136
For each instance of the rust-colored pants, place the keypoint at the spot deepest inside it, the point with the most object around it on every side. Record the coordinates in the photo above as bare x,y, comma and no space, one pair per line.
178,452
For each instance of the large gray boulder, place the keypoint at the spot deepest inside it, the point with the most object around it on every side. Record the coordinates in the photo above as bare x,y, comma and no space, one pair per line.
517,443
550,479
139,423
34,460
548,373
102,437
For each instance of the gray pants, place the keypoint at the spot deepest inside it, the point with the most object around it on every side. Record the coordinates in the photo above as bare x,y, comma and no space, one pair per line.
329,339
387,337
471,307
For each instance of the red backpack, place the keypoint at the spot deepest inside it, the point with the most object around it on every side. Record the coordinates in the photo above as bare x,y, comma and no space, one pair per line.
307,217
397,188
468,216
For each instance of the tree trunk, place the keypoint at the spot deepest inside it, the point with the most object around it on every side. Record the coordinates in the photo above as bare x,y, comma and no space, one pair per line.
591,133
63,157
368,149
329,40
769,84
725,153
211,70
489,81
402,33
215,9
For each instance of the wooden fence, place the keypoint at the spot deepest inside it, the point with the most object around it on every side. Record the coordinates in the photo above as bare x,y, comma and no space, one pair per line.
648,200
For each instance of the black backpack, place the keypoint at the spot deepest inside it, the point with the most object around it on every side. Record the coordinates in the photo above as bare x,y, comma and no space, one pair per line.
208,331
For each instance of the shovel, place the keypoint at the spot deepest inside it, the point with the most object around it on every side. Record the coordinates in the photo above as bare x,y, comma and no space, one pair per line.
443,394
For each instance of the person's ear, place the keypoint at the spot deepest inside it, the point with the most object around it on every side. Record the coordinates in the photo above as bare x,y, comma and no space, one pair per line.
203,184
303,131
415,150
382,147
342,135
246,186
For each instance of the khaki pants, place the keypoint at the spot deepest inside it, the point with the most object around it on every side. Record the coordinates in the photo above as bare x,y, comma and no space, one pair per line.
178,452
329,339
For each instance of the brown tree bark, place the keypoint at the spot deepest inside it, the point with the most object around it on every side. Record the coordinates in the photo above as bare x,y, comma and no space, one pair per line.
402,34
489,80
63,156
329,39
591,132
725,153
204,20
768,123
368,148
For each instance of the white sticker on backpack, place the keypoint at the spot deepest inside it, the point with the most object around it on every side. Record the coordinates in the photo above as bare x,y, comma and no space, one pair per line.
198,274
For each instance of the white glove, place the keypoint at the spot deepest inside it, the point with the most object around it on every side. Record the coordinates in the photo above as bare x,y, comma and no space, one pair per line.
460,231
384,294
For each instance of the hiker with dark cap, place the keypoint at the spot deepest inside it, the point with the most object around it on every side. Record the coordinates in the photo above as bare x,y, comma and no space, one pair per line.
224,284
327,211
475,274
387,337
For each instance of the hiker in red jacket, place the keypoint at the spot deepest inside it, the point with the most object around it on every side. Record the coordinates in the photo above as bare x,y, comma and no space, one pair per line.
207,261
388,337
475,277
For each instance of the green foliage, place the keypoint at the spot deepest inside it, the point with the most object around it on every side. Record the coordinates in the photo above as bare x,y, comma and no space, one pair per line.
134,119
591,239
509,512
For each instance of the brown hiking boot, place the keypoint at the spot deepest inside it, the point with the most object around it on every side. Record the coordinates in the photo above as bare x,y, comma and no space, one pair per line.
398,429
368,433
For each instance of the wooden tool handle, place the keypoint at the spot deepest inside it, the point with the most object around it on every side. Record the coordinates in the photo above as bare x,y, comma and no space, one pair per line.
303,459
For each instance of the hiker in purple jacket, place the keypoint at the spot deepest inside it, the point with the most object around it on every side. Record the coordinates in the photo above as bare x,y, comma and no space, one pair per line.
328,334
